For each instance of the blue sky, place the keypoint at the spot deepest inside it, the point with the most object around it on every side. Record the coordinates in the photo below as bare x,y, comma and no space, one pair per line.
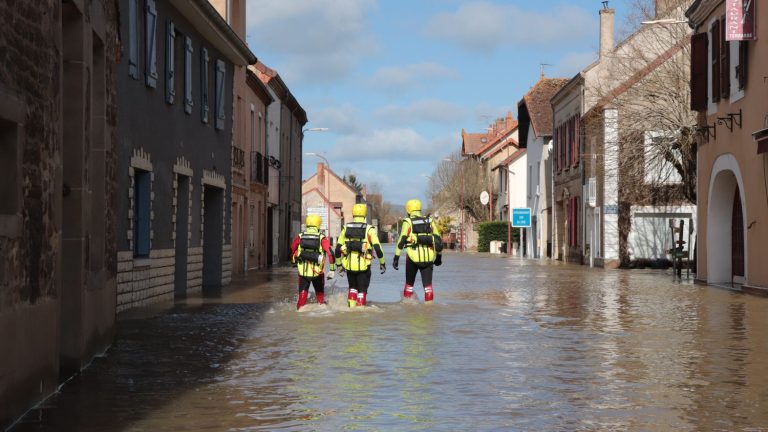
395,81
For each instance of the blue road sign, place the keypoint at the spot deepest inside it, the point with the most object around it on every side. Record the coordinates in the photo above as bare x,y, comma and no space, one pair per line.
521,218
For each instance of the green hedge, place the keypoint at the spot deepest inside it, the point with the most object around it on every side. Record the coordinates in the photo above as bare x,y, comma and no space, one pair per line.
489,231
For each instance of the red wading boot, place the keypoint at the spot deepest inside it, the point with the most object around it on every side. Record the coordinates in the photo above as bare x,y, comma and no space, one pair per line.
428,294
320,298
352,297
408,291
302,299
361,299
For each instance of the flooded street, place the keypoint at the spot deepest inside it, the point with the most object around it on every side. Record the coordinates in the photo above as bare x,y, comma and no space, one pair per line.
508,345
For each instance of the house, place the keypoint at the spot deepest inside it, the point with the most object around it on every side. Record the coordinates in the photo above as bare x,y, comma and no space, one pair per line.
617,185
175,122
728,92
58,149
284,135
249,165
326,193
535,117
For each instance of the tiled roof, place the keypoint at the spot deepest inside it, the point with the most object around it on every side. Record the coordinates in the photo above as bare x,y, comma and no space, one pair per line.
513,157
477,143
537,103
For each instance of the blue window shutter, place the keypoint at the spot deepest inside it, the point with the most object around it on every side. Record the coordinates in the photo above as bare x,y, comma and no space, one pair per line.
133,39
151,44
170,61
204,85
188,75
142,211
220,74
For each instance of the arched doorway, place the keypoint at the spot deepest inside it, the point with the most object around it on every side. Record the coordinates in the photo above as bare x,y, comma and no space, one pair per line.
726,242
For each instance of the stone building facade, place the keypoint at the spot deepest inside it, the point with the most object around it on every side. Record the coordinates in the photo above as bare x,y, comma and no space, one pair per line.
57,221
175,123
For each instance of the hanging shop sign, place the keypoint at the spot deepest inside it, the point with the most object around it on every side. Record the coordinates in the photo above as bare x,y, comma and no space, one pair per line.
740,20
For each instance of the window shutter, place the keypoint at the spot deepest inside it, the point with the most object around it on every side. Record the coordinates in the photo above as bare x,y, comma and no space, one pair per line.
150,48
204,85
133,39
699,72
725,62
715,41
577,139
741,70
188,50
170,61
220,75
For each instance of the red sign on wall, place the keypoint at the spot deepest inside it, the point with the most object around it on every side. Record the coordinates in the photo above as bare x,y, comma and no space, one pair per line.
740,20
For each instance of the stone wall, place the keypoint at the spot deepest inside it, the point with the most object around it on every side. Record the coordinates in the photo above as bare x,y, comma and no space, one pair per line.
143,285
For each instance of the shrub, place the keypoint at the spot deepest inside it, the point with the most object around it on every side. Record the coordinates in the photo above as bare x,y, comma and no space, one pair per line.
489,231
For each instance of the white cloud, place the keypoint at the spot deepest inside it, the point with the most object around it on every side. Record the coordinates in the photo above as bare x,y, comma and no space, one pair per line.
410,76
428,110
397,144
485,26
342,119
322,40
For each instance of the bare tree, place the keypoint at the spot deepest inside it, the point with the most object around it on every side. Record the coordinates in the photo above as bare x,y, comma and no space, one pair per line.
460,181
646,80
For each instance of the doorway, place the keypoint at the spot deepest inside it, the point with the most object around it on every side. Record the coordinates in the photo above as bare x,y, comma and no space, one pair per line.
182,238
737,239
213,237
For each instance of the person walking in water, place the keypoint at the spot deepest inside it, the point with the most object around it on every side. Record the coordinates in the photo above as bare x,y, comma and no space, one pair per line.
420,238
355,247
308,252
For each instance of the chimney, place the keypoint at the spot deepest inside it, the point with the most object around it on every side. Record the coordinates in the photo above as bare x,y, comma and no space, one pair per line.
607,24
664,7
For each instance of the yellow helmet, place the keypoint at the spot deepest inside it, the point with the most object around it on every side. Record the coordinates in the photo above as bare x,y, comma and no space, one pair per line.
359,210
314,220
413,205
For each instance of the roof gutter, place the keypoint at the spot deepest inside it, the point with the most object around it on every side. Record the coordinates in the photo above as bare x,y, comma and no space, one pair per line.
206,19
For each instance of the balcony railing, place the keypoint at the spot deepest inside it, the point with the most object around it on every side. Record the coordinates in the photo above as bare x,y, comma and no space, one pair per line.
238,158
259,168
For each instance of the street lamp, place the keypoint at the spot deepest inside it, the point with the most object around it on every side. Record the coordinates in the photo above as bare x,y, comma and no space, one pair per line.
315,129
665,21
461,231
327,182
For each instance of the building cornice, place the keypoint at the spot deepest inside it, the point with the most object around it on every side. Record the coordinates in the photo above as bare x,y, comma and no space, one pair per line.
207,20
700,10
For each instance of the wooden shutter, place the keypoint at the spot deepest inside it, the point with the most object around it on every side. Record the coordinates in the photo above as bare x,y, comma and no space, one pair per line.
204,107
725,62
577,137
221,69
188,50
699,72
150,48
133,39
170,61
741,70
715,53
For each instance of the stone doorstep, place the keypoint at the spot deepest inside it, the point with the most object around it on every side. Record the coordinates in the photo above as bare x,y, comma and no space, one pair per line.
755,290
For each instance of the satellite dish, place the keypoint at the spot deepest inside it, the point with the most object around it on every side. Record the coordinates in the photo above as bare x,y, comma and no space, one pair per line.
484,198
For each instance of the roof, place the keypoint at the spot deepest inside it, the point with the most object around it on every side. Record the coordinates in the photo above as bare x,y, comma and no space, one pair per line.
207,20
330,204
476,143
272,78
258,87
512,158
329,171
536,108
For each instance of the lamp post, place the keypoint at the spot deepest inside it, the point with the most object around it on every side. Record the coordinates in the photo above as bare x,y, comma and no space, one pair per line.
328,192
461,230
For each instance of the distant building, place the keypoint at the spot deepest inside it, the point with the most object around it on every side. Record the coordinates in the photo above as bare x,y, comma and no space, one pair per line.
728,91
535,117
175,122
325,188
58,153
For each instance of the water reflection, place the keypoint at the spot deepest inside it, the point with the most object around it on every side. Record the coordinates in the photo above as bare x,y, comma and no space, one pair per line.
508,345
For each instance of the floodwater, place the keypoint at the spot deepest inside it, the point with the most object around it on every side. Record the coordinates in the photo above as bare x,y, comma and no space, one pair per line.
507,345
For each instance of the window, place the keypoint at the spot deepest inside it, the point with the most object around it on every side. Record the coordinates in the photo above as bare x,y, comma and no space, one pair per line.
530,179
741,69
150,48
220,94
133,38
142,191
10,164
170,61
204,85
188,75
725,62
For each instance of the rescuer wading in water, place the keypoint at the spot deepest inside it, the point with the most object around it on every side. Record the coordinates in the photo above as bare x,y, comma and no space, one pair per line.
308,252
421,240
355,248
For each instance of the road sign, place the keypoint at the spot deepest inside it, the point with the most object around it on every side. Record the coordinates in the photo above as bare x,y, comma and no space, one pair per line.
521,217
484,198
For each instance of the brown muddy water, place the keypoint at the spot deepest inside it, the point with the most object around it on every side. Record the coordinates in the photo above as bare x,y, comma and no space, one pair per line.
508,345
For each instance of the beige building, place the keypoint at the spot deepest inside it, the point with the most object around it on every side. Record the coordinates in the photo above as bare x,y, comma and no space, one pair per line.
325,187
728,91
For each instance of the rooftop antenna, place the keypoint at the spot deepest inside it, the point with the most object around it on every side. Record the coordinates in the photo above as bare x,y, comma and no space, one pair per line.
543,65
605,4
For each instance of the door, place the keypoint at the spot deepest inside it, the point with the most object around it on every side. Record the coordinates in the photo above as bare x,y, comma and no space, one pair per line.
737,237
182,238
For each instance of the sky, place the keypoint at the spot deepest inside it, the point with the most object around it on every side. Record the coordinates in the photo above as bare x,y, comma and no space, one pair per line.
395,81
